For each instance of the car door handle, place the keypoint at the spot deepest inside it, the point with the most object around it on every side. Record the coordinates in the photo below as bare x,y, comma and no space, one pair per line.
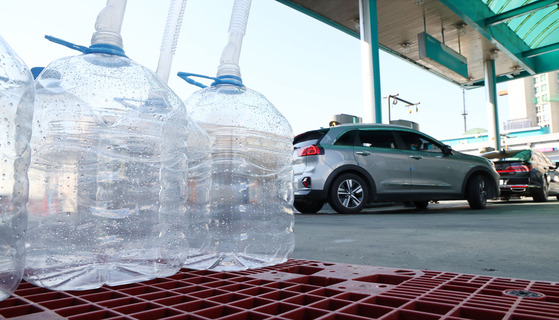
363,153
416,157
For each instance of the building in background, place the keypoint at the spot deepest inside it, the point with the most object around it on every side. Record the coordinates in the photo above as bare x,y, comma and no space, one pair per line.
534,102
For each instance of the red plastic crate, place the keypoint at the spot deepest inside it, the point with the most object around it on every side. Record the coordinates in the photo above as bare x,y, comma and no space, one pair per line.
298,289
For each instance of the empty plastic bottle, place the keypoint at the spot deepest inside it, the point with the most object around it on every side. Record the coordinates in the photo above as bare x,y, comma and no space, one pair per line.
108,172
250,224
16,112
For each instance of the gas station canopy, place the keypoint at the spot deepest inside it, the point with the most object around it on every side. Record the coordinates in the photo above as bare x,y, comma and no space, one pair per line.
453,38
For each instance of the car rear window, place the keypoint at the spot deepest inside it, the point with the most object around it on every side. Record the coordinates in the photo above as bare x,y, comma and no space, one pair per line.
310,135
346,139
510,155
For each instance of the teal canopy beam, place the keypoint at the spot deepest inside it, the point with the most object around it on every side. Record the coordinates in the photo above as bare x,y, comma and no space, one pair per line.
526,9
475,13
547,62
541,50
498,79
319,17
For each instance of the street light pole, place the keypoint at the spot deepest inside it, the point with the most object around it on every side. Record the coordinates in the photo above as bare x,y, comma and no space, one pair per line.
395,99
390,96
464,105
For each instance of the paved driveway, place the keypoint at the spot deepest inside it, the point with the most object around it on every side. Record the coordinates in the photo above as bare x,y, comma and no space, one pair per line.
516,239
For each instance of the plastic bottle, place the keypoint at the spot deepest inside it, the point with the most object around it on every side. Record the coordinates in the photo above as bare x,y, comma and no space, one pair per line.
16,112
108,172
250,223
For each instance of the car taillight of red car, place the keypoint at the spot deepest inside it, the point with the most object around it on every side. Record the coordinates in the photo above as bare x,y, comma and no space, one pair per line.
513,169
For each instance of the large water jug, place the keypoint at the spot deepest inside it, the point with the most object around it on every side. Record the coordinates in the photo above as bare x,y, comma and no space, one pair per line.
16,112
108,173
250,223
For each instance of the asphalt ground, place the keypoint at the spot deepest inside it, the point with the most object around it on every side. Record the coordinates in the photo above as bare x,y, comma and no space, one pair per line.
514,239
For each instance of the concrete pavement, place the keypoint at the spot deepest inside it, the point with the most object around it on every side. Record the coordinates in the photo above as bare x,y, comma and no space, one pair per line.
516,239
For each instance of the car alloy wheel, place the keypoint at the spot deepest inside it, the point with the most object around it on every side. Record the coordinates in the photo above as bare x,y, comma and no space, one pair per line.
541,194
476,191
348,194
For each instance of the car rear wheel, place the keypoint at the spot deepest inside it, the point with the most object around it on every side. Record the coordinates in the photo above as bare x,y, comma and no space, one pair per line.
309,206
421,204
476,192
348,193
541,194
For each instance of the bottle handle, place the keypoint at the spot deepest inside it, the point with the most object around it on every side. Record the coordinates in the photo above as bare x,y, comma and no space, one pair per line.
186,76
95,48
233,80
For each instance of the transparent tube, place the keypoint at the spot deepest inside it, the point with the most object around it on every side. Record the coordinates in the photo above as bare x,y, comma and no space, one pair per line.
170,38
109,23
237,27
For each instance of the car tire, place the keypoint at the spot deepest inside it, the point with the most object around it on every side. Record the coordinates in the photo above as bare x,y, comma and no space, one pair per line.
309,206
476,192
541,194
348,194
421,204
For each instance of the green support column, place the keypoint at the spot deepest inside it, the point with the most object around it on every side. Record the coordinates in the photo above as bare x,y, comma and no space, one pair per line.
492,110
370,61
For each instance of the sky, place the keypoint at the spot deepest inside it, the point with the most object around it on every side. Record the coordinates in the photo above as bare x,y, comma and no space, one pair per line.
307,69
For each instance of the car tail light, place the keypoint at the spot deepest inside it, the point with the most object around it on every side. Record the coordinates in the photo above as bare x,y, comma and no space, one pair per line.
310,151
306,182
512,169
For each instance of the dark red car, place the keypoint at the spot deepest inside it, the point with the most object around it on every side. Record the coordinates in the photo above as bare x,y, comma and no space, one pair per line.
526,172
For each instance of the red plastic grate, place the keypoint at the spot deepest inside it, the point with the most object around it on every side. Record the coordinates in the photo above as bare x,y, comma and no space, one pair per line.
298,289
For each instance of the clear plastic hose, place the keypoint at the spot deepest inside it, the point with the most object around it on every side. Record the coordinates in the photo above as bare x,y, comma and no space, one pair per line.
109,23
230,56
170,38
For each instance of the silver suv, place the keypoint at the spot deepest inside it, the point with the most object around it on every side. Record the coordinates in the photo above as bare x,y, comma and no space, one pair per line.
349,166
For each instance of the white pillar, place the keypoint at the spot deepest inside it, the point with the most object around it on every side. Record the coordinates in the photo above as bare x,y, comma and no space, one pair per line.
491,98
370,61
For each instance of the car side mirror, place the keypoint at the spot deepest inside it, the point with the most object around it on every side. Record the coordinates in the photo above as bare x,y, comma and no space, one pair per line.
367,145
447,149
